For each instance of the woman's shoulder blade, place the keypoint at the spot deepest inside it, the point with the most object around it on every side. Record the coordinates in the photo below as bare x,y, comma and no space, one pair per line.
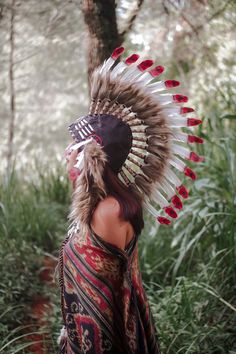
108,208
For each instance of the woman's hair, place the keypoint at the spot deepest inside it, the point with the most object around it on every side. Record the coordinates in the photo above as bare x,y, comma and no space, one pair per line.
130,203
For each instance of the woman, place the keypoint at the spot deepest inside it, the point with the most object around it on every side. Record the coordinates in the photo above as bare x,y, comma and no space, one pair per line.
119,161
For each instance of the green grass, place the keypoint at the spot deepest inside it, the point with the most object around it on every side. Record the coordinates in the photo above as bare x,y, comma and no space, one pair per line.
32,224
188,269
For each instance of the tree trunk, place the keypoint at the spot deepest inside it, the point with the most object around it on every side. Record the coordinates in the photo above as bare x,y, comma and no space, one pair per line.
103,36
102,27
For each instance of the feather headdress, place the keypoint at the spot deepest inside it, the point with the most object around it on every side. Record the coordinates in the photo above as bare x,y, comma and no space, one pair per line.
136,124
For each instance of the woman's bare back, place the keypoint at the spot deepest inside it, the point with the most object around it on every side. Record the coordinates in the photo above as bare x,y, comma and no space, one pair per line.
107,224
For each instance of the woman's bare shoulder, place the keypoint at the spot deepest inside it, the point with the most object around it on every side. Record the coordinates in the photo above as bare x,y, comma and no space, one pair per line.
108,207
106,222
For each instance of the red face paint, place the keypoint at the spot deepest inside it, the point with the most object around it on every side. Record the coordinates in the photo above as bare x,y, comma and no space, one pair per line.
73,174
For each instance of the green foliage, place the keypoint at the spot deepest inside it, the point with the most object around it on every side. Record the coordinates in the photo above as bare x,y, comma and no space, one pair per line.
32,223
32,209
193,315
189,270
18,340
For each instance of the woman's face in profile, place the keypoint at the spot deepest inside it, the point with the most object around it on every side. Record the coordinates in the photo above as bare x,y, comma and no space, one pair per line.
71,154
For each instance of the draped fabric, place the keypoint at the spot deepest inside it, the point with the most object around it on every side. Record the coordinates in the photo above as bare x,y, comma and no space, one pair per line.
104,304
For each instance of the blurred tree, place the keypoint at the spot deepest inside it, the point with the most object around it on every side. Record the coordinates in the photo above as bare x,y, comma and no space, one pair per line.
12,89
195,40
102,28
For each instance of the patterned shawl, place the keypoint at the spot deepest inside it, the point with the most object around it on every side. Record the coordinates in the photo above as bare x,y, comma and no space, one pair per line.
104,304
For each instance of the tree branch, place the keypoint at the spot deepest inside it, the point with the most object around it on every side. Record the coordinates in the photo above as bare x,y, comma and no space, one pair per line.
130,21
182,15
196,29
1,12
52,23
12,91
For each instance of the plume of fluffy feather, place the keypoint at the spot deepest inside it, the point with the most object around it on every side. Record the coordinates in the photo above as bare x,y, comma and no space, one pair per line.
90,188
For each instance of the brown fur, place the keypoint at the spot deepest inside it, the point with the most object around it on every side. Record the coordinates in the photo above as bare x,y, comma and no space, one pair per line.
90,186
158,139
95,84
144,184
156,150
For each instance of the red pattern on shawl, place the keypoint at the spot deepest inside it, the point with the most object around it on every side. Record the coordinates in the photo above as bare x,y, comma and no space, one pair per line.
104,301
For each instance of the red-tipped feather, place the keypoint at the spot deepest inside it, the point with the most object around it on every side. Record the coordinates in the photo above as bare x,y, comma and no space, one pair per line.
194,157
171,212
184,110
193,121
162,220
117,52
183,191
171,83
189,173
195,139
131,59
176,201
180,98
158,70
144,65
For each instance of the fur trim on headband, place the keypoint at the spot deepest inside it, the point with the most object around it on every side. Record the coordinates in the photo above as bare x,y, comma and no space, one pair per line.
90,187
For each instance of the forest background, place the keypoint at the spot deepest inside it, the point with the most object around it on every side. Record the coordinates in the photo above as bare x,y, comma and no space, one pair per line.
48,49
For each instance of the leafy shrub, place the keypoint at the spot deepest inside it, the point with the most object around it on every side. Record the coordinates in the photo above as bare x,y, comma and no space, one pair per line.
32,223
